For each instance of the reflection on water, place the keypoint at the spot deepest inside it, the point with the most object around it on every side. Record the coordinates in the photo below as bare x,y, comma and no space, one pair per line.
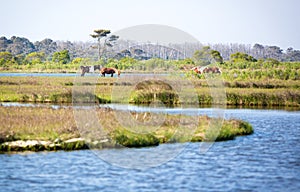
17,104
268,160
174,109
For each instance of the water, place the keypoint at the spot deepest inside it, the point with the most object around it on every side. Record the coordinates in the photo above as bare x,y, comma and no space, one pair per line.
268,160
75,74
38,74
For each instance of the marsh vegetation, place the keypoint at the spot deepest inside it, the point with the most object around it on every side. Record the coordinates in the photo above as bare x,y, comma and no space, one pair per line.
59,90
58,126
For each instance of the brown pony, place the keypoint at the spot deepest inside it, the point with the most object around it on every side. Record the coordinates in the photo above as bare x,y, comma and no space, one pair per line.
111,71
196,69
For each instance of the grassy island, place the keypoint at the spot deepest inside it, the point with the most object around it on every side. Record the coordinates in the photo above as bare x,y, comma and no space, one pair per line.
45,128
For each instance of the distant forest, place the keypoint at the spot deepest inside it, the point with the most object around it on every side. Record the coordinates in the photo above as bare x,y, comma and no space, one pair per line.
20,47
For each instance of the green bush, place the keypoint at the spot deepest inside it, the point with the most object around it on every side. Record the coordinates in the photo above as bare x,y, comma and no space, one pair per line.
129,139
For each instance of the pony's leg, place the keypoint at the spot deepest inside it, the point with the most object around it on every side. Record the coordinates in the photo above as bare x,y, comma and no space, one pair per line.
112,75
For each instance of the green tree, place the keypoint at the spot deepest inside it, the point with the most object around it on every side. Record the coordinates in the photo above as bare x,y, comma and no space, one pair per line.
81,61
62,57
206,56
35,57
127,62
5,58
202,57
6,55
240,57
216,55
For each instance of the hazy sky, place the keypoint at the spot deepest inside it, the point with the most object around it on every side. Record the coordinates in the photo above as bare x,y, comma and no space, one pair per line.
269,22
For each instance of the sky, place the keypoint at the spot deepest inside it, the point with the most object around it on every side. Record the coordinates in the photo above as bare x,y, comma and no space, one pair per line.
267,22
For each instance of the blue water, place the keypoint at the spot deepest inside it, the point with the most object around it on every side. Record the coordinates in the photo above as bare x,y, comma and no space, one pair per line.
74,74
38,74
268,160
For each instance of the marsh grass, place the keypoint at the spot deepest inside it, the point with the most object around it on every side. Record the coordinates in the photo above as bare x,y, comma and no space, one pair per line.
147,97
175,128
263,97
41,123
127,138
48,124
60,90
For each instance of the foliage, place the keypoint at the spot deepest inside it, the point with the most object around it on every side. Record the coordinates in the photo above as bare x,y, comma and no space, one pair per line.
99,33
261,70
62,57
202,57
126,63
81,61
5,58
206,56
241,57
35,58
216,56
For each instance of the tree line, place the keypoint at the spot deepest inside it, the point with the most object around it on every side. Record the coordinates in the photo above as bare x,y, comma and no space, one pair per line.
19,48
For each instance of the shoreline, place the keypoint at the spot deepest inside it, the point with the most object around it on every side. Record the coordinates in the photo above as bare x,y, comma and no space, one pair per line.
81,144
146,106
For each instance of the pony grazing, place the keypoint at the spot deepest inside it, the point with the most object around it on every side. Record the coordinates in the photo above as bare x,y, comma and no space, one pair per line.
111,71
89,69
206,69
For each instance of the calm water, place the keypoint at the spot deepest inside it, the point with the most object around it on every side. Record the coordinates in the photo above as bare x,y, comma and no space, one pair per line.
73,74
38,74
268,160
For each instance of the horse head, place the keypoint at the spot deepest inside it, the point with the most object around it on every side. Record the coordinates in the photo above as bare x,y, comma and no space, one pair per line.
118,72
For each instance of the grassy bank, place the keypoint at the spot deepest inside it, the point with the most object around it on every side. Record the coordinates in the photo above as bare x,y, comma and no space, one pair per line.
106,90
55,128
